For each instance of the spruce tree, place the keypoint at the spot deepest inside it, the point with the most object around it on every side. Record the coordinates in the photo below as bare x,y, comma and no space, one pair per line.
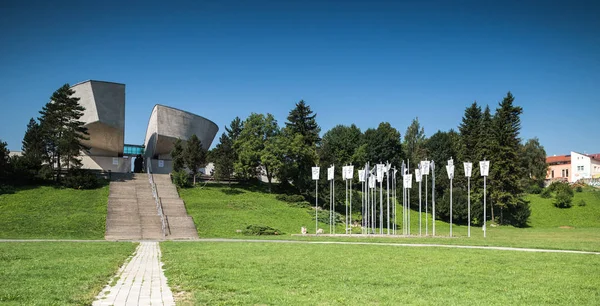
301,120
224,158
62,130
505,168
4,162
194,155
177,156
469,133
33,147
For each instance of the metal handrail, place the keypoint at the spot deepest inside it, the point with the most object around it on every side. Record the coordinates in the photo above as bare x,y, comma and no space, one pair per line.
157,200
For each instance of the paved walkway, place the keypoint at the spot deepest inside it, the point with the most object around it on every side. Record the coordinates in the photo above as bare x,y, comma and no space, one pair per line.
141,281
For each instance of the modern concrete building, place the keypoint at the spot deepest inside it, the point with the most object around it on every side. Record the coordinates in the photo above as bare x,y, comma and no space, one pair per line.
104,117
168,124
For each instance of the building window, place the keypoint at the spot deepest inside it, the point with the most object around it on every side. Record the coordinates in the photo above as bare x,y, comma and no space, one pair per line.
567,173
579,168
552,173
563,172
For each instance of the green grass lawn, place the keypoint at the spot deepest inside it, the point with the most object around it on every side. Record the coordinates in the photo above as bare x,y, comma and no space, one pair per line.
301,274
57,273
544,214
48,212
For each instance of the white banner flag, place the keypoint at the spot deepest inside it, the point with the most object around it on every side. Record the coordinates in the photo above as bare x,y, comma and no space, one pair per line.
372,181
484,167
380,172
361,175
425,167
330,172
450,170
315,173
343,173
468,169
350,172
407,181
450,162
418,175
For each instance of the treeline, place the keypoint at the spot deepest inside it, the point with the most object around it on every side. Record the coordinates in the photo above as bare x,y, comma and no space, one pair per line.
259,146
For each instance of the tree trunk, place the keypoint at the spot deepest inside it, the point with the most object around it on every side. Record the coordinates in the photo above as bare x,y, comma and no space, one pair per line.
194,174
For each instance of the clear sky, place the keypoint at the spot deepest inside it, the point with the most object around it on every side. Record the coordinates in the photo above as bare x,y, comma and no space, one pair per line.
360,62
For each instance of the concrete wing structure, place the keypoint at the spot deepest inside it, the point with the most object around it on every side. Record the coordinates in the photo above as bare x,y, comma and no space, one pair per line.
167,124
104,115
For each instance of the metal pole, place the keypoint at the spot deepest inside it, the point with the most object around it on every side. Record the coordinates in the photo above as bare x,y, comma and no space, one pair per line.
484,207
420,222
350,211
426,218
381,207
346,206
450,207
333,194
469,204
387,174
433,199
404,227
316,204
408,209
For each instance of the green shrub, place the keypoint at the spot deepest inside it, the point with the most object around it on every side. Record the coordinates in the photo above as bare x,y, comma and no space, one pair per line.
290,198
563,198
323,216
180,179
534,189
578,189
581,203
81,179
301,204
6,189
260,230
546,194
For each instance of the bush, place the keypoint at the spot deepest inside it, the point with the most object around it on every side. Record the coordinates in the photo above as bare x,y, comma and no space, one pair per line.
534,189
180,179
81,179
323,216
290,198
546,194
301,204
260,230
6,189
563,198
581,203
578,189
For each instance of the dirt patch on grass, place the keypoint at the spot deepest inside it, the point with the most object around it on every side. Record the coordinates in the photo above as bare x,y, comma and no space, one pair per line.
565,226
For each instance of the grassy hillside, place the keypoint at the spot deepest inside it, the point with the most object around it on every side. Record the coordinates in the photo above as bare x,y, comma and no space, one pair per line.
544,214
48,212
307,274
219,211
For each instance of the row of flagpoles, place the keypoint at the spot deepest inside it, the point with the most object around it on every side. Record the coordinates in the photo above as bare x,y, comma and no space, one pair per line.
369,176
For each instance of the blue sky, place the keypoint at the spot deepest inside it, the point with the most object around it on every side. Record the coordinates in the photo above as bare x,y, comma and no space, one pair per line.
351,61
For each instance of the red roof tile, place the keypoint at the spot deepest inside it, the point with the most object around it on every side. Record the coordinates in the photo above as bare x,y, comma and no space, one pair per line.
558,159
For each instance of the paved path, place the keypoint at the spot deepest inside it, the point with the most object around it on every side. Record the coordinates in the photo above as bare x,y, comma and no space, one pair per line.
456,246
141,281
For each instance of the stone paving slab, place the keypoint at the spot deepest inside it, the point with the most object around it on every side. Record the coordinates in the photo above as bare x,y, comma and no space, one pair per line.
140,281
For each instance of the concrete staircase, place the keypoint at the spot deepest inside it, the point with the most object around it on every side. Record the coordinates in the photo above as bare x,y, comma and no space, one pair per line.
181,225
132,213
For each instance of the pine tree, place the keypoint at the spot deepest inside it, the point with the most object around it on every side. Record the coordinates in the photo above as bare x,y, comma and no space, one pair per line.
194,155
177,156
506,192
33,147
469,133
62,130
302,121
4,161
224,158
235,129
